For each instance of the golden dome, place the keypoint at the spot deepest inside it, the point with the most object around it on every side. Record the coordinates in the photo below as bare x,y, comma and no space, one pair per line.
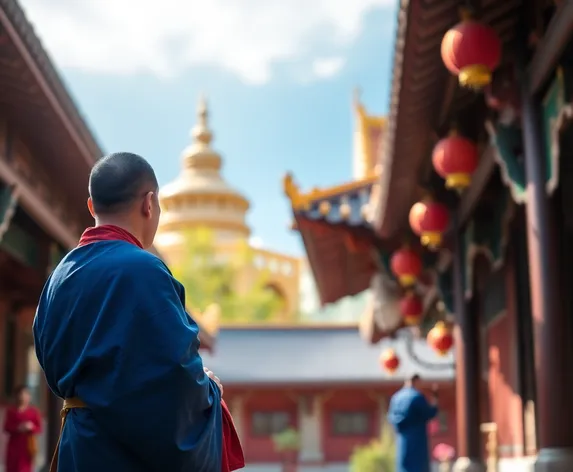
199,196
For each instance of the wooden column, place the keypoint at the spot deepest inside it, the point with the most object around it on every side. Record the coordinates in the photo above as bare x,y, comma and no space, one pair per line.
466,335
553,359
310,415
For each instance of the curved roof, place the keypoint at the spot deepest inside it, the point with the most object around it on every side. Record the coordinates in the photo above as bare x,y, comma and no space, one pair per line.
295,355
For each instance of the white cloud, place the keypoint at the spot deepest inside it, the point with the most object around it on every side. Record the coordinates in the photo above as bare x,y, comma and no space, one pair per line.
325,68
163,38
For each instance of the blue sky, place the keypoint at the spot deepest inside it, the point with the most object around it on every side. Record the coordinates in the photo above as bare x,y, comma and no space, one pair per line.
278,74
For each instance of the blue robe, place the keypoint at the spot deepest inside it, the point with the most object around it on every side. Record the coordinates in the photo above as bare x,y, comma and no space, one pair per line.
409,413
111,328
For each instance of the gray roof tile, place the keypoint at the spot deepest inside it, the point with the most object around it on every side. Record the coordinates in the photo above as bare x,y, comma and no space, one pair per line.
305,355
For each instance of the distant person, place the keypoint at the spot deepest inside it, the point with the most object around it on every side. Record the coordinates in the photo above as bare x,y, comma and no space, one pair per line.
22,423
116,343
409,412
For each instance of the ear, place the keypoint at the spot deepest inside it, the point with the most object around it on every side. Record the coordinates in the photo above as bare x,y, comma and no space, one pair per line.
91,207
147,205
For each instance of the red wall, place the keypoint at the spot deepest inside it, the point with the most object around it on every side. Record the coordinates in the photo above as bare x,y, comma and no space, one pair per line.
335,448
505,405
339,448
447,407
259,449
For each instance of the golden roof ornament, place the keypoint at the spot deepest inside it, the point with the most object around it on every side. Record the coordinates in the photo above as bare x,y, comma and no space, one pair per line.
201,132
200,155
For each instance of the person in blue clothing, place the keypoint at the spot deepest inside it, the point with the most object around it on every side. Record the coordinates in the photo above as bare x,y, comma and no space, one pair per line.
117,345
409,413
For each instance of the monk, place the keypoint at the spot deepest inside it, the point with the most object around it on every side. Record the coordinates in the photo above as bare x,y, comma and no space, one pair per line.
22,423
409,412
115,342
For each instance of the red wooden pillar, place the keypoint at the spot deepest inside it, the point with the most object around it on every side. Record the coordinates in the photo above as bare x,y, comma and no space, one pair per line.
553,358
468,385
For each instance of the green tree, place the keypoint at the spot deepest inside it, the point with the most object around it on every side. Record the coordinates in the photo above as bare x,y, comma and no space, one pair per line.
378,456
287,443
209,276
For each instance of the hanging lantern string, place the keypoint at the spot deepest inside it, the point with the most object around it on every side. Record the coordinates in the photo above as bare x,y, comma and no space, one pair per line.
466,12
410,349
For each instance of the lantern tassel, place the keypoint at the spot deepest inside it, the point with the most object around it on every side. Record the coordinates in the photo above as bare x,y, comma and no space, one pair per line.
431,239
475,76
411,320
458,181
407,280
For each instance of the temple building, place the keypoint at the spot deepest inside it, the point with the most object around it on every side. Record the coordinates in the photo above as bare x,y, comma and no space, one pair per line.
201,198
332,222
468,220
347,258
324,383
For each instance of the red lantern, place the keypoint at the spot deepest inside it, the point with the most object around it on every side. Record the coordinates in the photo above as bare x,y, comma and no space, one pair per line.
440,338
432,222
406,266
455,158
412,309
389,361
415,216
471,51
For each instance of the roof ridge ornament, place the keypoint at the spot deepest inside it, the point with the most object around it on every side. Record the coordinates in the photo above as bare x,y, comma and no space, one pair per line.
201,133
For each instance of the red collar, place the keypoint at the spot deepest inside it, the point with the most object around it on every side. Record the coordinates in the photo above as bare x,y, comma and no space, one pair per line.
107,233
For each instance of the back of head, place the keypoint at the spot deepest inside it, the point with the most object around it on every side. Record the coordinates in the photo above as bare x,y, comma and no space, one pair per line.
118,180
413,381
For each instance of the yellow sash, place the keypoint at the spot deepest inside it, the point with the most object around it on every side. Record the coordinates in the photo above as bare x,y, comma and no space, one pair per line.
69,403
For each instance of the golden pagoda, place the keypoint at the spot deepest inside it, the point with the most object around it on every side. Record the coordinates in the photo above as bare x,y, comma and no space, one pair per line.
201,198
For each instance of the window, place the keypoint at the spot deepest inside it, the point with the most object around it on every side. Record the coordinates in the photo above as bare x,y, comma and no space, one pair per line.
268,423
351,424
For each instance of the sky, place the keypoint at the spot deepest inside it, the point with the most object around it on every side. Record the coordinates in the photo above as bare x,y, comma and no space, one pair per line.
279,76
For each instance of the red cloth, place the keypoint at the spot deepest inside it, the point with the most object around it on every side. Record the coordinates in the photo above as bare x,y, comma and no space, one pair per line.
232,454
107,233
233,458
18,457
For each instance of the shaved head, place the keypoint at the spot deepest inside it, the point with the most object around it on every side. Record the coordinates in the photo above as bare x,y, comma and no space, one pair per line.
124,192
413,381
119,180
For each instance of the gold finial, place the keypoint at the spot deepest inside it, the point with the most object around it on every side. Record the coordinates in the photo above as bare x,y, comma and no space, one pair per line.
202,110
201,132
290,188
358,106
